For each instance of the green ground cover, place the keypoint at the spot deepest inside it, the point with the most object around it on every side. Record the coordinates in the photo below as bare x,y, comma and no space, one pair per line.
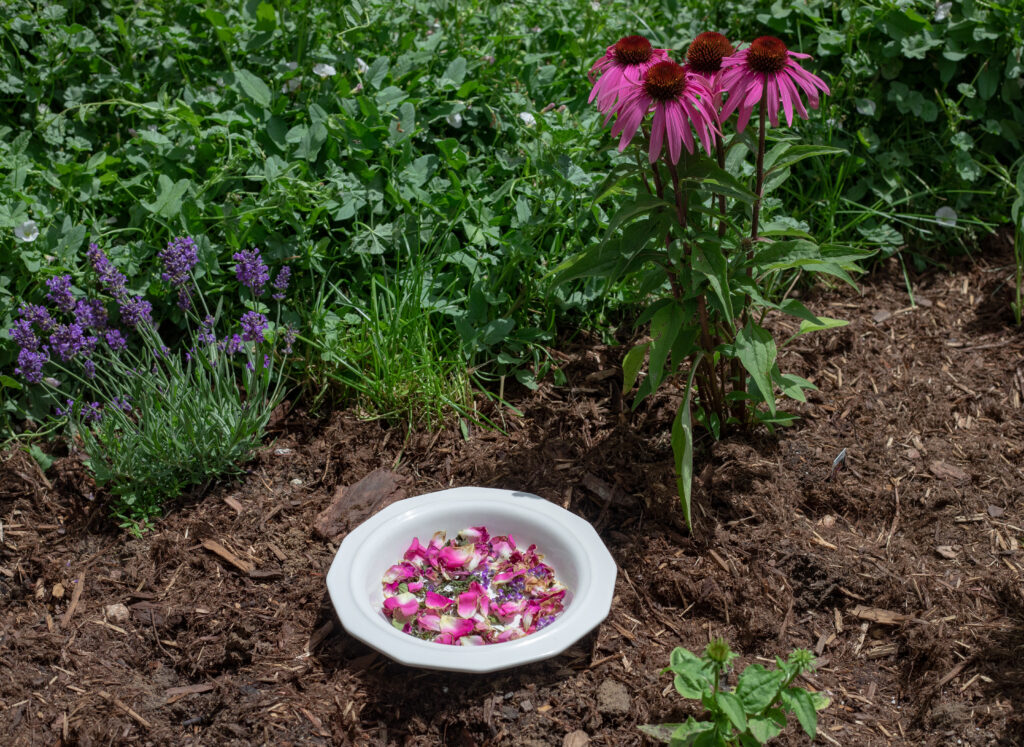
423,165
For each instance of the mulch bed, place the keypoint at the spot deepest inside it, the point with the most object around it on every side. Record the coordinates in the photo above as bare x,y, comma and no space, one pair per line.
903,574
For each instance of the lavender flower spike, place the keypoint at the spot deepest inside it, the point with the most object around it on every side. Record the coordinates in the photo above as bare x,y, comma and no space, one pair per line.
178,259
112,279
60,292
251,270
281,282
253,326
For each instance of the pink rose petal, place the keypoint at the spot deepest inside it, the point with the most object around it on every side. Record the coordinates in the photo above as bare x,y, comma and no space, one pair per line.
436,601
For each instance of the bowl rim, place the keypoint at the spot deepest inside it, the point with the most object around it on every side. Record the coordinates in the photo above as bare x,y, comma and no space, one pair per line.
591,602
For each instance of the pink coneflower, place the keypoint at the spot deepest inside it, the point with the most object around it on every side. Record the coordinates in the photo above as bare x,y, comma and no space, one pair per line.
626,61
705,56
766,70
679,99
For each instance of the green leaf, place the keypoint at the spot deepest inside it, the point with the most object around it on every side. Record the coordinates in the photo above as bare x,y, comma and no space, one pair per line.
796,153
44,460
824,322
660,732
756,350
690,729
631,363
7,381
168,197
253,87
682,446
688,685
758,688
709,261
454,73
708,174
732,707
377,72
763,729
799,701
665,326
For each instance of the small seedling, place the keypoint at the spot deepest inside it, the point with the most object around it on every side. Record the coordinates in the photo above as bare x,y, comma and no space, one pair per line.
749,714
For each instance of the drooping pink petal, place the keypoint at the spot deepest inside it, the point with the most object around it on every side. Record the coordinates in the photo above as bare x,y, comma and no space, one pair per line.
475,534
472,640
415,586
446,638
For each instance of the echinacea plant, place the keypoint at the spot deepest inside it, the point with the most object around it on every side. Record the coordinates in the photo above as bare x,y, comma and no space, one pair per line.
752,712
154,420
472,590
692,237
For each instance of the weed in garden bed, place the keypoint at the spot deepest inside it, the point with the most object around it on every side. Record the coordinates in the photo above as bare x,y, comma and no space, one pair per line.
752,713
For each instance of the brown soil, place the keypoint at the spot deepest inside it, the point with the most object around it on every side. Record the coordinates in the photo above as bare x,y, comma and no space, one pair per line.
925,525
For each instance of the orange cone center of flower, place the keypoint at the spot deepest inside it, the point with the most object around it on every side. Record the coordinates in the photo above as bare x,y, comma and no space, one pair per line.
665,81
706,52
633,50
767,55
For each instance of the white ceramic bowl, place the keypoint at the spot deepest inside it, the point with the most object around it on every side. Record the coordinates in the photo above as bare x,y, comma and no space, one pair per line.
569,545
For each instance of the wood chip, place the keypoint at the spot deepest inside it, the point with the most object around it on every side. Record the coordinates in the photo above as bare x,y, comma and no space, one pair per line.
578,738
878,615
75,596
218,549
947,552
117,702
277,552
189,689
234,503
945,471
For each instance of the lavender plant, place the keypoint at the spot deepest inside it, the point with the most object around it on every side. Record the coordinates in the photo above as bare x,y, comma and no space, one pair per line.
752,712
156,419
698,237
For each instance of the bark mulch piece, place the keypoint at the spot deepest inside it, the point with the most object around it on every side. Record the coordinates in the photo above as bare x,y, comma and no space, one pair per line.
903,572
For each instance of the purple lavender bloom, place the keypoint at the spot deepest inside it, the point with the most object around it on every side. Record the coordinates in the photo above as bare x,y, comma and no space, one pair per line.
115,340
91,412
23,334
66,410
135,310
179,258
234,345
206,336
91,314
122,403
184,298
69,340
289,339
30,365
253,326
60,292
89,366
36,315
281,282
251,270
112,279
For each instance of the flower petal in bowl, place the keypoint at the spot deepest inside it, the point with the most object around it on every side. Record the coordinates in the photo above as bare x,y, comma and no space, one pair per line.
569,545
